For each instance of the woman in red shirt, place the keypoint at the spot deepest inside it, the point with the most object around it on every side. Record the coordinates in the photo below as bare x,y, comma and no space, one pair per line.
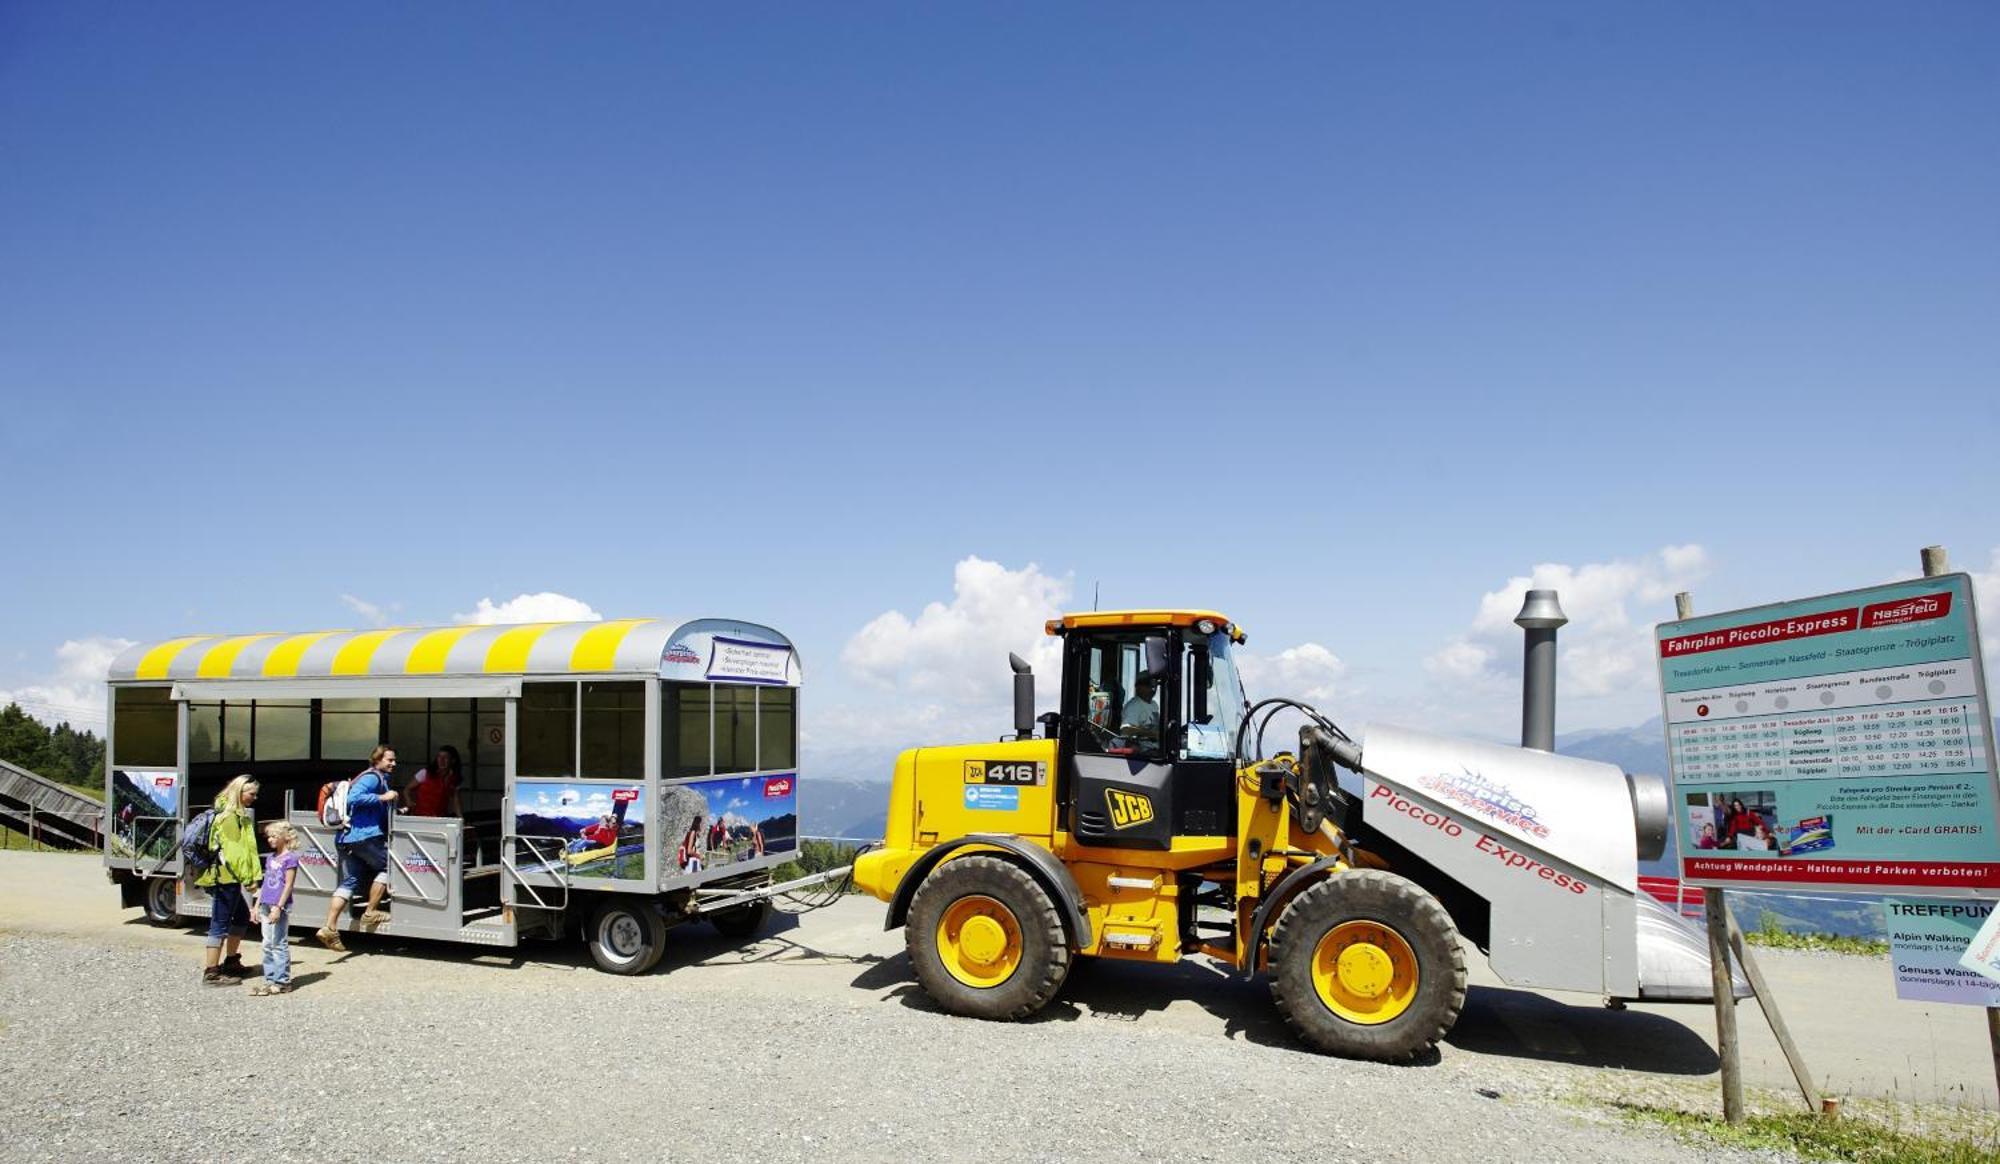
435,791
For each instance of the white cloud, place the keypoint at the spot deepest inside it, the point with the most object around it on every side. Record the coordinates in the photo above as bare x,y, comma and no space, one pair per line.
1606,650
957,651
374,614
942,676
1307,672
73,691
546,606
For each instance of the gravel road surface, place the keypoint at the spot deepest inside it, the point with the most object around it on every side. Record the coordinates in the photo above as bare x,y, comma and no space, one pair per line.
811,1043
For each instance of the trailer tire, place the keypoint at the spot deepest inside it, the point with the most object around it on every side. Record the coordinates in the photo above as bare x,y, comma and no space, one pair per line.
1368,965
626,936
985,939
161,901
741,921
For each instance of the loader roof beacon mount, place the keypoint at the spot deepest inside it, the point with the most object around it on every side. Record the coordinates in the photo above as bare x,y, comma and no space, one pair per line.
1541,616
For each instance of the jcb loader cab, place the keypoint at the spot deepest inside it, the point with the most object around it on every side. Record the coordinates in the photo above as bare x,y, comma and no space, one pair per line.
1144,824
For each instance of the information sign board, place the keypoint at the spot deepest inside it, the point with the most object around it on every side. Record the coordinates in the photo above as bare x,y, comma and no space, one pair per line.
1927,940
1841,742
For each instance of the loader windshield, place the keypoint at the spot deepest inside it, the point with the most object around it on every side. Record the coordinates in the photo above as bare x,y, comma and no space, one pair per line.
1215,698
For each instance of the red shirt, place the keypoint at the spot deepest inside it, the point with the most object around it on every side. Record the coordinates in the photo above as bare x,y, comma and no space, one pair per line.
431,794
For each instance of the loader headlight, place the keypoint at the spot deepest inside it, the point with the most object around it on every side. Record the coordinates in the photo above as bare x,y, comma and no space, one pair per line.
1205,626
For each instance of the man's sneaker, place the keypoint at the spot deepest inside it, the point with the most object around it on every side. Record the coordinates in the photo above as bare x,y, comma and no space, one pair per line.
213,976
330,938
373,918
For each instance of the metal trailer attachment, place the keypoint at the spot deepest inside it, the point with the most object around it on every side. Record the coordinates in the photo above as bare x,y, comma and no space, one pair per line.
1550,846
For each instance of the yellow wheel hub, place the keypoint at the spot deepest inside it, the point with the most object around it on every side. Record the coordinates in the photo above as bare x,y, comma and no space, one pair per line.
1365,972
979,941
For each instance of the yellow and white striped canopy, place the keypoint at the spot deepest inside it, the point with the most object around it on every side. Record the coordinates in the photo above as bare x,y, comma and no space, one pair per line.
615,646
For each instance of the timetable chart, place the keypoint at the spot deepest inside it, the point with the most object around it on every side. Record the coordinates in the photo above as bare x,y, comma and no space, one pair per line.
1887,722
1859,725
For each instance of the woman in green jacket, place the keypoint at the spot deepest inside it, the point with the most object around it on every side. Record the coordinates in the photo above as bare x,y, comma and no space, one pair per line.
232,882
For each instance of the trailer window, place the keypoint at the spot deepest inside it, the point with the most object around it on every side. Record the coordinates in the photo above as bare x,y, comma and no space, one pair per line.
735,729
146,726
776,722
283,729
547,727
204,733
349,729
614,730
684,729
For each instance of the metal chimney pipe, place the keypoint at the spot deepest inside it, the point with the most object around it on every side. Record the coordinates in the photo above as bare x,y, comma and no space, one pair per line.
1539,619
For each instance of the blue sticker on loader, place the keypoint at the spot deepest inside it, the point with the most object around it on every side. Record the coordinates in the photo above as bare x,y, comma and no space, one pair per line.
992,797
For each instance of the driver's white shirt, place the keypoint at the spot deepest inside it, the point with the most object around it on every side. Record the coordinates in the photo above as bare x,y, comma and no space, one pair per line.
1141,713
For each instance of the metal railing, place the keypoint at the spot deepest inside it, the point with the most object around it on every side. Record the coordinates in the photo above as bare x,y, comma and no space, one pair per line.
552,865
38,829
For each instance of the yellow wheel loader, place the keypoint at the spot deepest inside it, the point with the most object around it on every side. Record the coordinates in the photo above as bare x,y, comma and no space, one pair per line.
1144,824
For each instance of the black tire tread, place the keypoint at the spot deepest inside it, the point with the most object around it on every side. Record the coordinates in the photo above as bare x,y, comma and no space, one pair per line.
655,928
1368,894
741,921
1033,985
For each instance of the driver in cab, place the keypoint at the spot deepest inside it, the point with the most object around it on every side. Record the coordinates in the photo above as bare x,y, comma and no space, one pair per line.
1141,714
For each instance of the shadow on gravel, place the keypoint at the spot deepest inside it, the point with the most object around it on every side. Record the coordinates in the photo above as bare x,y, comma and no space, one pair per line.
695,943
1525,1025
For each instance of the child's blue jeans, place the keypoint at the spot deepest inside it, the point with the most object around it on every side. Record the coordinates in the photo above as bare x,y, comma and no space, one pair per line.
278,948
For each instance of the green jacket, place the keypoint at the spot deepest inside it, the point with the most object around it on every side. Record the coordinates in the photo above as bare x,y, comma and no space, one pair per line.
234,838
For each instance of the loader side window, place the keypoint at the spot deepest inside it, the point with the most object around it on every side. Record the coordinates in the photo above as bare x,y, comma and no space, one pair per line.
1121,708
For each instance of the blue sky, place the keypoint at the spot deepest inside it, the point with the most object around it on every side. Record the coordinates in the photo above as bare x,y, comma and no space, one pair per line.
1336,318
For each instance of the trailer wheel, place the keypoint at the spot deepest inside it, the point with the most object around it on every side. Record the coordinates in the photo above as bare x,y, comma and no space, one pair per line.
742,921
985,939
1368,965
162,902
626,937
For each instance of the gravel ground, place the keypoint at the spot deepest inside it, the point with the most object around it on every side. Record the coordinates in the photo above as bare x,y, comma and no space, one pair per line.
114,1049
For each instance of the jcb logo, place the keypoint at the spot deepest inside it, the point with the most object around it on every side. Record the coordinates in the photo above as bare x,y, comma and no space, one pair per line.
1128,808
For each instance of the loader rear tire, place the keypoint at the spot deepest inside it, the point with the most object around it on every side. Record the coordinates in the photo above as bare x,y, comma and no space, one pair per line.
1367,965
985,939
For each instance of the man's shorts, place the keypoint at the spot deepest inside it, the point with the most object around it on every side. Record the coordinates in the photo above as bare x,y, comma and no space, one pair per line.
362,859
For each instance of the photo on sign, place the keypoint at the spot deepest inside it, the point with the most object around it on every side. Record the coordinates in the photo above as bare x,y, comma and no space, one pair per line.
145,809
1747,821
591,830
716,823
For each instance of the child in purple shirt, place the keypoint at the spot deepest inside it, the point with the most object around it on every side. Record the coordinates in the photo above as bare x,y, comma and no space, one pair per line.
274,907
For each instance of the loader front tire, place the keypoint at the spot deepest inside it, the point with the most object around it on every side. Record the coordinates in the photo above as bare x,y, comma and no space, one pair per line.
1367,965
985,939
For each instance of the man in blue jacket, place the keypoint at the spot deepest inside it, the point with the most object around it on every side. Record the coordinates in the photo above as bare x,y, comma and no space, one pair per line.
363,846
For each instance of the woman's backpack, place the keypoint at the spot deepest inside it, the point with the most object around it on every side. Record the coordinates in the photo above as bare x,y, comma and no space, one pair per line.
198,853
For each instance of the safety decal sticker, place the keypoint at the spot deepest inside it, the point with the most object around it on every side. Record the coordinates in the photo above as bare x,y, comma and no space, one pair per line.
992,798
1020,773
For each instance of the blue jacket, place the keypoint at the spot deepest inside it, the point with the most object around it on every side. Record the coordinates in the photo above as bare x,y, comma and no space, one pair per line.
367,812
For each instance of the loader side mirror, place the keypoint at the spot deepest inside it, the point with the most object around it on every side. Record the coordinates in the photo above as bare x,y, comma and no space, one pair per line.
1156,657
1024,697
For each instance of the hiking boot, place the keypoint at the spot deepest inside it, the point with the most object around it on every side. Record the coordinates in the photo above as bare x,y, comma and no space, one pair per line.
233,967
330,938
213,976
373,918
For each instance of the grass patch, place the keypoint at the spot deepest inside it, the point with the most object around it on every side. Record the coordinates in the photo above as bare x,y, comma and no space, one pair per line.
1770,933
1814,1138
